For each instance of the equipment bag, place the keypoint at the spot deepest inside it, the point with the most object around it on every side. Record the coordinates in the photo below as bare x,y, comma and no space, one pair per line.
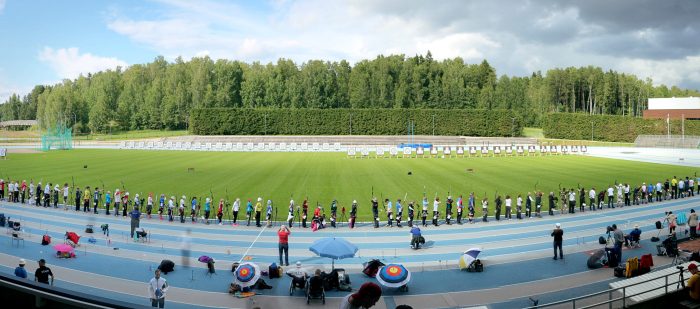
45,240
654,239
601,240
632,267
619,271
658,225
681,219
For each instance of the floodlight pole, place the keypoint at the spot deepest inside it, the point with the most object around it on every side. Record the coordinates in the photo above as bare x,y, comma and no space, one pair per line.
591,130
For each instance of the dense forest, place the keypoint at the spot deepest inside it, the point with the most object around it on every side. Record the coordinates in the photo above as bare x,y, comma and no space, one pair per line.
161,94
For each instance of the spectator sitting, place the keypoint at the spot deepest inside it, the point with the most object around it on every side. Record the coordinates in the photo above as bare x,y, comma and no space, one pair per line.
20,271
632,239
298,275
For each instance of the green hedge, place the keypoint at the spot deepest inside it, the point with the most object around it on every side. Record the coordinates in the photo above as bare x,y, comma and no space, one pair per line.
610,128
241,121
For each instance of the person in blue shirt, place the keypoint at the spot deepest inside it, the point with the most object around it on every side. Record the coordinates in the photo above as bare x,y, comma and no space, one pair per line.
108,200
20,271
193,211
399,212
415,237
135,216
207,209
249,211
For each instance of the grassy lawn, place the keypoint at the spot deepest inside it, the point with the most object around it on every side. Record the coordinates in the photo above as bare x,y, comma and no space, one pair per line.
533,132
324,176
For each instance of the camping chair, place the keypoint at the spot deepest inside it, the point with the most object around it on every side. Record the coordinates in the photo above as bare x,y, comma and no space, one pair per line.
314,290
296,283
142,235
72,239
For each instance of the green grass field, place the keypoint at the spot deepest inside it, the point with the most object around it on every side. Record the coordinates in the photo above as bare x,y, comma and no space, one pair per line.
323,176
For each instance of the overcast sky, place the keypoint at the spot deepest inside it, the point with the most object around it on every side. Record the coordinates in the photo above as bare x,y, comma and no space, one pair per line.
45,41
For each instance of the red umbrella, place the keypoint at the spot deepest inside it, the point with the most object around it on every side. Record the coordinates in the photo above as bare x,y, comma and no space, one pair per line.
63,248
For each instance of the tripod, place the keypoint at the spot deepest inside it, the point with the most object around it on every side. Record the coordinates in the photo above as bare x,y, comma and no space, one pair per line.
343,218
681,279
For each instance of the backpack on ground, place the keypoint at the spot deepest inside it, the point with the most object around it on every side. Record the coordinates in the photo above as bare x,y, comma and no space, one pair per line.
631,267
45,240
273,271
602,241
619,271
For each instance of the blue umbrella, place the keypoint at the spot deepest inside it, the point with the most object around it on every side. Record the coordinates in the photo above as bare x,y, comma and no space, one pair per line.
334,248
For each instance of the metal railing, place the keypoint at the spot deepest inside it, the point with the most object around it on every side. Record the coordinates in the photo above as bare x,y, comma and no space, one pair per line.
623,290
63,296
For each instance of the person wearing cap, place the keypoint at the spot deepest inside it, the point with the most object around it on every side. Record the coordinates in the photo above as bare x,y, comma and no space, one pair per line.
283,246
558,235
368,295
125,204
298,275
149,205
693,224
135,216
43,273
353,213
20,271
633,237
693,282
258,210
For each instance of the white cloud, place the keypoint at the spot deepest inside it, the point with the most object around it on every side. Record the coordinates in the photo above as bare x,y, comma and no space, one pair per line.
2,5
516,37
70,63
668,72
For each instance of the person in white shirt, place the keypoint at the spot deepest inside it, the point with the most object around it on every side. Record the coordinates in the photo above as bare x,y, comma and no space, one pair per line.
117,201
149,205
644,193
485,209
236,206
627,194
591,199
157,288
509,204
519,207
31,191
171,208
691,186
436,205
611,194
65,195
619,194
659,191
572,200
47,194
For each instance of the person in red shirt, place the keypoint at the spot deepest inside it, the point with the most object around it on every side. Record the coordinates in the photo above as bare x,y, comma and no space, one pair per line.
220,211
283,234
